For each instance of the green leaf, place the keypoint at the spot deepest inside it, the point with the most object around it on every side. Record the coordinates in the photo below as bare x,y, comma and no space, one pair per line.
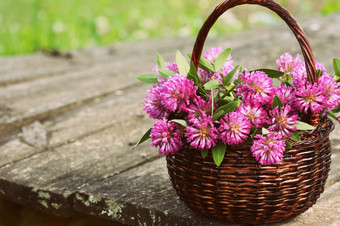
218,153
319,73
165,73
336,66
182,63
271,73
230,107
331,114
193,75
144,138
180,121
303,126
265,131
336,110
288,145
217,115
337,78
238,80
202,92
230,75
213,84
254,133
225,95
289,83
204,64
295,136
160,61
148,78
204,153
277,102
222,59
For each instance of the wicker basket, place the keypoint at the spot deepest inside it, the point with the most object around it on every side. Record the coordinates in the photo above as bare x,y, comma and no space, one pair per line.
241,190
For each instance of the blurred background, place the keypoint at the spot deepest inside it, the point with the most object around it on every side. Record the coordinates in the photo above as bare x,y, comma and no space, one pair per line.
28,26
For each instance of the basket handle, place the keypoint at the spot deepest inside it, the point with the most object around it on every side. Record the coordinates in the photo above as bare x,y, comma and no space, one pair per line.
282,12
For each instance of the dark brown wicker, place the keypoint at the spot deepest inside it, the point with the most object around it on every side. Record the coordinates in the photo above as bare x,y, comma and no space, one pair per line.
241,190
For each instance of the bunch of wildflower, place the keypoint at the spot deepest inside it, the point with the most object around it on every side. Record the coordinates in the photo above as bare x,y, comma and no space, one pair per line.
221,105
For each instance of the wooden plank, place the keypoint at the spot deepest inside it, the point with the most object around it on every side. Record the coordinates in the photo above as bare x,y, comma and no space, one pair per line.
85,145
95,117
40,99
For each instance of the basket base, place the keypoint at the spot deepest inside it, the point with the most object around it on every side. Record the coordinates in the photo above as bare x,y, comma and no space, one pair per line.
243,191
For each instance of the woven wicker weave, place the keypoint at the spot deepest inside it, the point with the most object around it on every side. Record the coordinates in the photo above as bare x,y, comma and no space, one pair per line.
241,190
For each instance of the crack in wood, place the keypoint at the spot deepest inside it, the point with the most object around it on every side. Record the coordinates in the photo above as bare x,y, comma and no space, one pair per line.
39,76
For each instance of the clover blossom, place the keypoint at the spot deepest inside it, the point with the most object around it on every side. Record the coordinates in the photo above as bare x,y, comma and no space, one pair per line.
255,114
332,91
282,120
234,128
166,136
292,68
153,105
198,107
310,97
268,149
256,88
202,134
177,93
172,67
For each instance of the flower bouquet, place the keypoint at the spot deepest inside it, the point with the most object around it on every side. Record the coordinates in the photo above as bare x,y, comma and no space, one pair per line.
244,145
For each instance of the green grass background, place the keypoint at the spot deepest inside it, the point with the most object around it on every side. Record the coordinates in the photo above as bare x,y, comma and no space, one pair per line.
29,25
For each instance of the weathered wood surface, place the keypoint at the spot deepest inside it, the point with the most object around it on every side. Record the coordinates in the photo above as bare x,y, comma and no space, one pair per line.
67,126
